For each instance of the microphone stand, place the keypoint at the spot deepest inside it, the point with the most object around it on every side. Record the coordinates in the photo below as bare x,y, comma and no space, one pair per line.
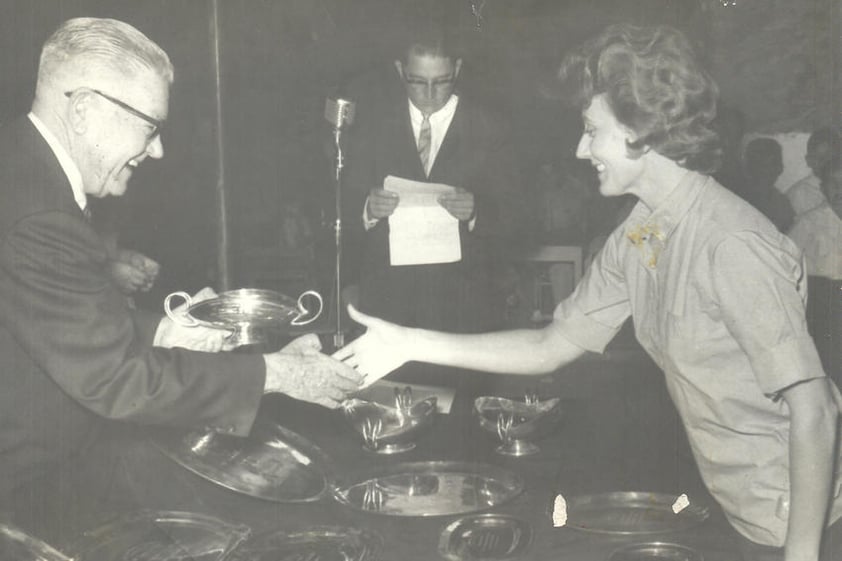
339,336
339,113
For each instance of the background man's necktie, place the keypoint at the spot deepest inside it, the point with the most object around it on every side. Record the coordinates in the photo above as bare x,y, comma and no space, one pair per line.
424,142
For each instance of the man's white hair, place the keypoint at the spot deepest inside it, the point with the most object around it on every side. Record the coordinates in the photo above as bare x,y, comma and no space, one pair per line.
82,50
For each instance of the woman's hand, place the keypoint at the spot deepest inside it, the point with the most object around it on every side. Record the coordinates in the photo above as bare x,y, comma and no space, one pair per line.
380,350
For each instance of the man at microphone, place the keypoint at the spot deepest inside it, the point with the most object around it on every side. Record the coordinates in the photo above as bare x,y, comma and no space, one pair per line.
417,125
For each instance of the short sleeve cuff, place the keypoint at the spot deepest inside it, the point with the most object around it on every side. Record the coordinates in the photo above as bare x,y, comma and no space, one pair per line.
580,329
792,361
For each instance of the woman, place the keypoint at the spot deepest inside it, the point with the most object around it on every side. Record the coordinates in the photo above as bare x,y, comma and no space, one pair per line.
715,291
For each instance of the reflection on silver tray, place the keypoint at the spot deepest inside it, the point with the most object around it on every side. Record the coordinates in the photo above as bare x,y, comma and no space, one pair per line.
656,551
156,536
428,489
322,543
272,463
631,513
485,537
20,546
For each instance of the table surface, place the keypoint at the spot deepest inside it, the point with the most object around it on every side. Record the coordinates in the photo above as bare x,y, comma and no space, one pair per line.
618,432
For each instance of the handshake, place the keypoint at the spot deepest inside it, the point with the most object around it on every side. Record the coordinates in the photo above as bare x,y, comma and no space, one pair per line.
299,369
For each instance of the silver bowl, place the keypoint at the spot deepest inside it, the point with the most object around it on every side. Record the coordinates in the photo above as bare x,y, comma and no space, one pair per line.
248,313
515,421
390,430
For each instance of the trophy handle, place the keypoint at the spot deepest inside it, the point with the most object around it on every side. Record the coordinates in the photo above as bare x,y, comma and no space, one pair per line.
181,318
302,311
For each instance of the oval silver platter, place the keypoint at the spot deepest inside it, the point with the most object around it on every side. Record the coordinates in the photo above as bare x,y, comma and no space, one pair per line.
656,551
321,543
428,489
18,545
631,512
160,535
485,537
272,463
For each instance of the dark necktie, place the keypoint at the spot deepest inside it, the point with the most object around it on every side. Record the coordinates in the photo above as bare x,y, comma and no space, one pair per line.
424,142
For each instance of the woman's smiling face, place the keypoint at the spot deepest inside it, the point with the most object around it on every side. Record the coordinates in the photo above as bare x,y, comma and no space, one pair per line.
603,142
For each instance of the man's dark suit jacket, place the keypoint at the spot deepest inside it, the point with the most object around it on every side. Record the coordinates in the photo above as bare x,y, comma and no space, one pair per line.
476,154
72,354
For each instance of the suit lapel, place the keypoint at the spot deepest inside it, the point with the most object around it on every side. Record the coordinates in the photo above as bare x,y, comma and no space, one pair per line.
449,151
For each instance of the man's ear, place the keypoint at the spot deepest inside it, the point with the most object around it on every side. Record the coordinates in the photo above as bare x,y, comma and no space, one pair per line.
77,111
399,68
457,66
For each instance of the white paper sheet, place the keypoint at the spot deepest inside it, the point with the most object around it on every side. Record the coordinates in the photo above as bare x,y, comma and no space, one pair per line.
421,231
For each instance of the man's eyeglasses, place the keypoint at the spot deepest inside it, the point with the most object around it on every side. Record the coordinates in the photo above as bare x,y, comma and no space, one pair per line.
156,123
436,83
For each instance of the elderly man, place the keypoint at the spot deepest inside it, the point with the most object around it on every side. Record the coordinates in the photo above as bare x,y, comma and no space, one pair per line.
416,125
75,358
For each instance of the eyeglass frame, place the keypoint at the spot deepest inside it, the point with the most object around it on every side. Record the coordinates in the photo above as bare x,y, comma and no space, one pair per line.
157,124
433,84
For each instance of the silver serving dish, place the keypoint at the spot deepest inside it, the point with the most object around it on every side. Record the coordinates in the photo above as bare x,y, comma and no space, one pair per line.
515,422
485,537
272,463
163,535
656,551
630,513
428,489
321,543
246,312
17,545
390,430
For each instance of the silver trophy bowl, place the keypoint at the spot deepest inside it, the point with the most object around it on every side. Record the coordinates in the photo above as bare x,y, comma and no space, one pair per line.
515,422
390,430
248,313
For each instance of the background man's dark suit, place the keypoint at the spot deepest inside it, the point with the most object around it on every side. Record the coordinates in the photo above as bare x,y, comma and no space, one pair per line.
475,154
71,352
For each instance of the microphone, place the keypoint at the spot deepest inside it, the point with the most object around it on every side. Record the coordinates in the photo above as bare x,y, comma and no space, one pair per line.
339,112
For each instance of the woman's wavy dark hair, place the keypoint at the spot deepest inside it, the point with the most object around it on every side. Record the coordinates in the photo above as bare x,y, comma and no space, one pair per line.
655,87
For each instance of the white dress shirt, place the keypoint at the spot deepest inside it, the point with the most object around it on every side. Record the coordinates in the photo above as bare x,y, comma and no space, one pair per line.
439,123
805,194
819,235
74,176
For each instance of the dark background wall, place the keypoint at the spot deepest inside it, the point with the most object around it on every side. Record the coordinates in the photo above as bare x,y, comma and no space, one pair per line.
279,59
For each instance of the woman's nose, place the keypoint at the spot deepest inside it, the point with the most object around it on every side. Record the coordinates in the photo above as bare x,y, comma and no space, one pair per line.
583,149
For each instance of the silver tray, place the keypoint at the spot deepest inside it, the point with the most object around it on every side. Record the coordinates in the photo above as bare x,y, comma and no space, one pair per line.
656,551
485,537
160,535
631,512
428,489
321,543
18,545
272,463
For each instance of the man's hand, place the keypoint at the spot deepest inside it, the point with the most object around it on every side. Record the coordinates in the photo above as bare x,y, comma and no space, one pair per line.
381,203
301,371
132,271
381,349
197,338
459,204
